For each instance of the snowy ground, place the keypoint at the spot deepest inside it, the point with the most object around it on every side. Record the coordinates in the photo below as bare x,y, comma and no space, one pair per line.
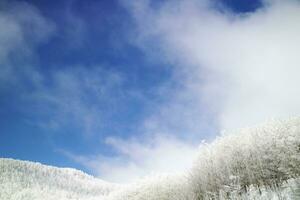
30,181
253,163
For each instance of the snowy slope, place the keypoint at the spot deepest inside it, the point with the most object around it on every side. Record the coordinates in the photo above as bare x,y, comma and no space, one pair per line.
22,180
253,163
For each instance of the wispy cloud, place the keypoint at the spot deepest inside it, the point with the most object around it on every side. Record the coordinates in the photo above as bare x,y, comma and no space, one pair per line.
22,29
74,32
82,96
136,159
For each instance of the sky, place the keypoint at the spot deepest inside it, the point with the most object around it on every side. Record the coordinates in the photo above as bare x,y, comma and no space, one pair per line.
124,89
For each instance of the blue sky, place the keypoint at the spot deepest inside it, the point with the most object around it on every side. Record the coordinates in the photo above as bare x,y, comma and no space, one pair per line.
89,37
85,84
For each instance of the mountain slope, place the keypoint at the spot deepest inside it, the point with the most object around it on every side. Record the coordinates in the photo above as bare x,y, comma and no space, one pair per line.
254,163
27,180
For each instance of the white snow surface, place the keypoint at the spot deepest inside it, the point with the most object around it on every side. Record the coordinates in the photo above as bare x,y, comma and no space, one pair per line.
254,163
23,180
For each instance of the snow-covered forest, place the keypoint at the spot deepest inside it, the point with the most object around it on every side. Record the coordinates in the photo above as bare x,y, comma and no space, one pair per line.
262,162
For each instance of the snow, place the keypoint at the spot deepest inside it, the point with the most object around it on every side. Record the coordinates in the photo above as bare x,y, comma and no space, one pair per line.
22,180
253,163
262,157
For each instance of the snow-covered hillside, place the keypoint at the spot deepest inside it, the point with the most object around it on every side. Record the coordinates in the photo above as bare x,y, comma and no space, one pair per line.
253,163
265,157
22,180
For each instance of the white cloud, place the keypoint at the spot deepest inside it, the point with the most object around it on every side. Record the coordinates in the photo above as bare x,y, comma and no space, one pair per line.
137,159
249,62
234,70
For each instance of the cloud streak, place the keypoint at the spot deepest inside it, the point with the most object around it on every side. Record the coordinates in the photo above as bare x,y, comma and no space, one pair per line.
61,96
23,28
81,96
136,159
